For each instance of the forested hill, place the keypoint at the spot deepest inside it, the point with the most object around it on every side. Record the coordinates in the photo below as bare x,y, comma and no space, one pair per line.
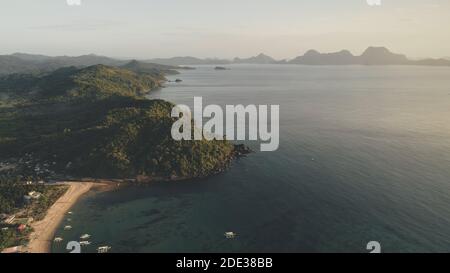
95,122
71,82
33,64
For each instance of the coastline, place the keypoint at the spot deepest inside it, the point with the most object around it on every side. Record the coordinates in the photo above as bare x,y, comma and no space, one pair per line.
44,230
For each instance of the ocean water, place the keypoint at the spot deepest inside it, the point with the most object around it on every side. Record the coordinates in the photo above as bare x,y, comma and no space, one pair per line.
364,156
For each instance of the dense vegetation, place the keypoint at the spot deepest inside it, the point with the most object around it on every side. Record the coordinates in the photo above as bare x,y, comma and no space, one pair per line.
10,236
22,63
95,122
12,193
89,122
71,83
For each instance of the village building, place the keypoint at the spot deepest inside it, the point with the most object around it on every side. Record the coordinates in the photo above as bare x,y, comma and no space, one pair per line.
34,194
10,219
21,227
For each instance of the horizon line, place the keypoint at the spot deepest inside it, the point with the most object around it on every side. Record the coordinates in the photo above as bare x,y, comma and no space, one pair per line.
207,58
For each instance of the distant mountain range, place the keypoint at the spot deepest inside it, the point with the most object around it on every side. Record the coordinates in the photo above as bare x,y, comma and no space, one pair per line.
260,59
84,60
29,63
371,56
188,61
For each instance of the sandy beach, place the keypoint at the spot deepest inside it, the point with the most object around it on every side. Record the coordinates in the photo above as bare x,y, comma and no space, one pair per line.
44,230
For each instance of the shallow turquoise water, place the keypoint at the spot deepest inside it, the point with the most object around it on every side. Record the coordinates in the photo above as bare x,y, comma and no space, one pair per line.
364,156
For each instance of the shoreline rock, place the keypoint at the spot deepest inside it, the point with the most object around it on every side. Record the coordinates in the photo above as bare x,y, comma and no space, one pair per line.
240,150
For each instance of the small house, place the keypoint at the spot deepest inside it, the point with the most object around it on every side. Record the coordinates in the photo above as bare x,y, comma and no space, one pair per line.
10,219
21,227
34,194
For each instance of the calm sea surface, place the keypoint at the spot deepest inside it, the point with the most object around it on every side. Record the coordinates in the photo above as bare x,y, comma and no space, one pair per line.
364,156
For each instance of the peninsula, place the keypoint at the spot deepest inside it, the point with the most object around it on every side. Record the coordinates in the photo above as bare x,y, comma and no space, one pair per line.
96,122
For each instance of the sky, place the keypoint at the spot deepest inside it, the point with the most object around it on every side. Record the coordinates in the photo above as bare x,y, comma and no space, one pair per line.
223,28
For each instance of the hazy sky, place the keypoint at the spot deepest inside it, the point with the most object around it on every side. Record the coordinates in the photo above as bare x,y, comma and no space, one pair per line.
223,28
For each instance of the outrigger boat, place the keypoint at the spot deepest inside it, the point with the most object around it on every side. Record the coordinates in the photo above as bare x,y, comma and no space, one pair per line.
85,243
103,249
230,235
85,236
58,240
67,227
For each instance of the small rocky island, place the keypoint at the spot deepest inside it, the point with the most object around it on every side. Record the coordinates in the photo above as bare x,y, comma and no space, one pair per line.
221,68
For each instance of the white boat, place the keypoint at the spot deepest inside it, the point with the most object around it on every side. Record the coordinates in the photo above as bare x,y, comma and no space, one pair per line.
230,235
85,236
103,249
58,240
70,213
67,227
85,243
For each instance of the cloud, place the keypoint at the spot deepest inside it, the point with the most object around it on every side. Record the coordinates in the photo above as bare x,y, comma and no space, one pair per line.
79,26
